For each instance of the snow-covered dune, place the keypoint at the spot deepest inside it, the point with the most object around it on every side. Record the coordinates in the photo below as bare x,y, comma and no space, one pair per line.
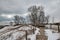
18,33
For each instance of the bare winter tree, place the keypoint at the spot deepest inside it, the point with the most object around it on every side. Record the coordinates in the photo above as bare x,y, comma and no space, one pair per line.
19,20
22,20
47,19
33,15
16,19
37,14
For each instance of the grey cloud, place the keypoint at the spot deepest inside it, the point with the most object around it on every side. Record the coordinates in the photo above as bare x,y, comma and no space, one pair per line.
51,7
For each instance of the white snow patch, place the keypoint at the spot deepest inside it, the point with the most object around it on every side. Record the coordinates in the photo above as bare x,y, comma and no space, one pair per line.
16,34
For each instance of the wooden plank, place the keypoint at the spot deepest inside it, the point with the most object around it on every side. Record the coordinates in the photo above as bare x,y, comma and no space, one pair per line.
41,37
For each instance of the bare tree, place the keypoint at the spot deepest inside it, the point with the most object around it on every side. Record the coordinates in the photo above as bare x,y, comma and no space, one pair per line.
16,19
22,20
33,15
47,19
37,14
19,19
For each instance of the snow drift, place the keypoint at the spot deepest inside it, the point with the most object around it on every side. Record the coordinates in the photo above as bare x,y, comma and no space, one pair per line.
19,33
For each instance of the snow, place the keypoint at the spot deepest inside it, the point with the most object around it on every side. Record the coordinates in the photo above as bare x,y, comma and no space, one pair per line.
18,33
25,28
7,29
37,31
32,37
12,35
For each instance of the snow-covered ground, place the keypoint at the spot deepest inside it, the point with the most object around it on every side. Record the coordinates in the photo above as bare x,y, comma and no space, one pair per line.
19,33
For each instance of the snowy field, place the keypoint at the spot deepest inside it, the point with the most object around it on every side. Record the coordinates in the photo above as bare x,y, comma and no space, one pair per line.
19,33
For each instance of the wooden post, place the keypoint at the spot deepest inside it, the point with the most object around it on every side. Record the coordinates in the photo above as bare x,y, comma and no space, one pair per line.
26,35
33,30
58,28
50,26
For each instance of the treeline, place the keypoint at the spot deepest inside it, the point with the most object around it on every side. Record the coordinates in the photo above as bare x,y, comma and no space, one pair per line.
36,16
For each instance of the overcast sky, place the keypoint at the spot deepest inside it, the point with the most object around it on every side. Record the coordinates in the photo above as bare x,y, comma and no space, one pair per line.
19,7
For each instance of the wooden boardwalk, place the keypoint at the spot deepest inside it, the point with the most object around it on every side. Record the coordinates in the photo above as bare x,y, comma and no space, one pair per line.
42,35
